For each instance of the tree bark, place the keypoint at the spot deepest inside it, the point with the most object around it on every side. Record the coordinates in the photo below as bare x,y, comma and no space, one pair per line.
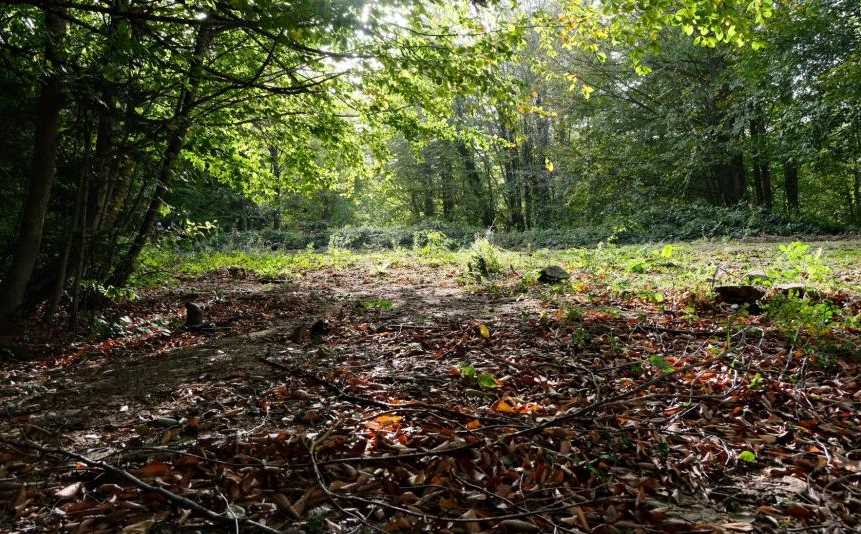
475,185
276,173
760,161
511,175
856,191
42,172
790,185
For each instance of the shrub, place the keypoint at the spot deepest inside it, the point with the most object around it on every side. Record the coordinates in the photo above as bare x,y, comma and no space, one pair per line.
484,259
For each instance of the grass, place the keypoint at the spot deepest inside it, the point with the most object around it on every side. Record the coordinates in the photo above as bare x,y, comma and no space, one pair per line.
625,270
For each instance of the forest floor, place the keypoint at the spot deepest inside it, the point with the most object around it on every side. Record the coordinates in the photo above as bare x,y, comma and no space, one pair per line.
624,400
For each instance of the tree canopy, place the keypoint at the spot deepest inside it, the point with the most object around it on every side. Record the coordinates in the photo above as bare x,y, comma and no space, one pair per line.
126,116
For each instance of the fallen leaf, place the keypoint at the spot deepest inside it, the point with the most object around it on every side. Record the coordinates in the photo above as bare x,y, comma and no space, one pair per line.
155,469
69,491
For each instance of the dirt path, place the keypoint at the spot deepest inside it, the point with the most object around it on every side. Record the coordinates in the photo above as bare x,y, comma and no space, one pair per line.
203,415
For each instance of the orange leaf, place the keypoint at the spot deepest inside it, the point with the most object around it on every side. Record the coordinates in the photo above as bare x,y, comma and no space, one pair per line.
472,425
384,422
502,407
448,504
155,469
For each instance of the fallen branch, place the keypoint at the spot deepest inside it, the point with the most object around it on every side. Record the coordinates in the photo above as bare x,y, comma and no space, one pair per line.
179,500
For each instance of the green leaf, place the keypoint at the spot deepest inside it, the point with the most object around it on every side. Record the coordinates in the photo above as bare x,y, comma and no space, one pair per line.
756,381
658,361
747,456
467,371
486,380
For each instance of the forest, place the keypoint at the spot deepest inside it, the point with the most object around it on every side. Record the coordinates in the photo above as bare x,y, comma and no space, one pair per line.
430,266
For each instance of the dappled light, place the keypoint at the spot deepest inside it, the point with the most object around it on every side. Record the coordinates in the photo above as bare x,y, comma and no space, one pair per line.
474,266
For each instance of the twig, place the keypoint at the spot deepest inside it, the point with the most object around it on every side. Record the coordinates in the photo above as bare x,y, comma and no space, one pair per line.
380,404
178,500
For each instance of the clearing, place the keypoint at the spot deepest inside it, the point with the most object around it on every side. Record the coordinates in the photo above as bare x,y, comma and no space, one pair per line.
625,400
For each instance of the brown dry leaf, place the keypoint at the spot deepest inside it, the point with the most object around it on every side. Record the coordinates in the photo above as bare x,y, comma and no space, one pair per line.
518,525
738,526
69,491
448,504
473,527
170,435
141,527
155,469
283,504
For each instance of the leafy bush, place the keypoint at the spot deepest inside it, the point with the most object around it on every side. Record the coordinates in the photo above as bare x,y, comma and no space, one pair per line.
484,259
798,263
430,242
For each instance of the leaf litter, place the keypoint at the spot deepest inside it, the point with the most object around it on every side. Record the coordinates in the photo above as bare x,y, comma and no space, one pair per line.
446,411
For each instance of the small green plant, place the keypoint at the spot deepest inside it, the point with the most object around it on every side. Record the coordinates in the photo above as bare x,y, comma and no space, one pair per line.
637,265
381,304
661,363
484,260
756,381
653,296
793,314
797,263
113,293
430,242
666,252
485,380
747,456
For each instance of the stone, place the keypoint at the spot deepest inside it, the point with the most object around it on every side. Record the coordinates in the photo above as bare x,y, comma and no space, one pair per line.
193,315
757,275
799,290
553,274
319,329
742,294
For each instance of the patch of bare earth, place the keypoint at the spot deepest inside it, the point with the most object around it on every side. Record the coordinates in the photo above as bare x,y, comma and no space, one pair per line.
420,406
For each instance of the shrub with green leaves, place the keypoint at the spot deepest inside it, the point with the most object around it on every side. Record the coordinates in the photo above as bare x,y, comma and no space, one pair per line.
484,259
793,314
431,242
798,263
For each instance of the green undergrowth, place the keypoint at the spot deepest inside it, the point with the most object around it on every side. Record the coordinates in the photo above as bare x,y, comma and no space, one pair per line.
622,269
656,223
679,276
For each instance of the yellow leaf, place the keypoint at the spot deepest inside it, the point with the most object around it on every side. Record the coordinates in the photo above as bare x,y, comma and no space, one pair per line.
587,91
484,331
548,165
503,407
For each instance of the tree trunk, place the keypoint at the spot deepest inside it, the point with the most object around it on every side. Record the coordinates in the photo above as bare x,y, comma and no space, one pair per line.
790,185
427,193
856,190
730,179
475,185
446,179
42,172
760,162
276,173
177,132
511,175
